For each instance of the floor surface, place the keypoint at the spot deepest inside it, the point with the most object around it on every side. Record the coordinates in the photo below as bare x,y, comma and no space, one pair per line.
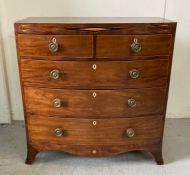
176,153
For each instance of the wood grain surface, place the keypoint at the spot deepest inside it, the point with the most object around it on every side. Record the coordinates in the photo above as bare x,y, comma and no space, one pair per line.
69,45
107,75
106,132
67,25
95,56
105,103
116,46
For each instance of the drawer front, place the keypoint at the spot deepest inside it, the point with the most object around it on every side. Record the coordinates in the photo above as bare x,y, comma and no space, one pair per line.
91,75
90,103
71,46
121,131
118,46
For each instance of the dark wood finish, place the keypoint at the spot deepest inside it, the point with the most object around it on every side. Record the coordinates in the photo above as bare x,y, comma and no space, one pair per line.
129,58
73,25
94,20
157,154
31,154
69,45
105,132
107,103
97,41
116,46
109,46
108,75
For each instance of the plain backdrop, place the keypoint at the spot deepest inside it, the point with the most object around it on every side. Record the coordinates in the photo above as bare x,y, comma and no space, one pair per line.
11,11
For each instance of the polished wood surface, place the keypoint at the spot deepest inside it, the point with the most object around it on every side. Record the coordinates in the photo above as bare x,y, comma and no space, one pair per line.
69,46
116,46
95,103
107,75
105,132
117,25
95,56
101,150
95,20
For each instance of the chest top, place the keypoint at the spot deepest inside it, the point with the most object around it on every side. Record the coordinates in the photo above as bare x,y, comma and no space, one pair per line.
76,25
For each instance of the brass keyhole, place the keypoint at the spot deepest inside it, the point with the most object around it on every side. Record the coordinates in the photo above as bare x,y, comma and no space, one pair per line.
94,123
94,94
94,66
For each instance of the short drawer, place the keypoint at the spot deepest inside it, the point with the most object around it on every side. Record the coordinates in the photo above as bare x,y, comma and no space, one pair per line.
98,103
70,46
121,46
121,131
94,75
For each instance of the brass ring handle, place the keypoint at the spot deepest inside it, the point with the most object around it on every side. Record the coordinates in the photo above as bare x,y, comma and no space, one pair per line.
57,103
134,73
132,102
53,46
55,74
130,132
136,46
58,132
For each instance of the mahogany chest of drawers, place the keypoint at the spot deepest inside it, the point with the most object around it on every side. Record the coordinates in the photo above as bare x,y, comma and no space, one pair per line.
95,86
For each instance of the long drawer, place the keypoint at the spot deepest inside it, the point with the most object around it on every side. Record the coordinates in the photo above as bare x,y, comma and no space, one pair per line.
98,103
72,46
95,74
71,131
117,46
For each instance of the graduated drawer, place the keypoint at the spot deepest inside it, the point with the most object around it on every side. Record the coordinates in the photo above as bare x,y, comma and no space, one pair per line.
98,103
94,74
119,46
74,46
71,131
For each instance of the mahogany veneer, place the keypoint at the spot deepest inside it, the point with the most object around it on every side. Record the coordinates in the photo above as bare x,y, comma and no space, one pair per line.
105,132
108,74
95,86
107,103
